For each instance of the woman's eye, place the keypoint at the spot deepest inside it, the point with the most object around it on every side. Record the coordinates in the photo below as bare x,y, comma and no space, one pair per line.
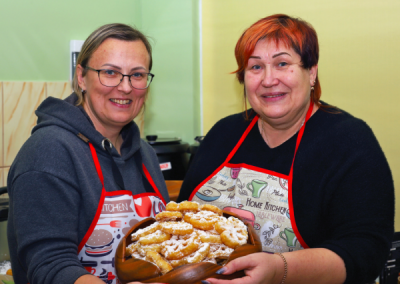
256,67
138,75
282,64
110,72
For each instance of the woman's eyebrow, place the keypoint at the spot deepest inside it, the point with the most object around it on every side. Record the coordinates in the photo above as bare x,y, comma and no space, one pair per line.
138,68
280,53
111,65
273,56
119,68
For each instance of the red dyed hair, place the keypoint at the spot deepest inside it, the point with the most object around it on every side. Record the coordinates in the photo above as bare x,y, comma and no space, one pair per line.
294,33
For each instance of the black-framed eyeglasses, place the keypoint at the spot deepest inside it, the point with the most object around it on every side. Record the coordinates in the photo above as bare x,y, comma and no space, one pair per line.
112,78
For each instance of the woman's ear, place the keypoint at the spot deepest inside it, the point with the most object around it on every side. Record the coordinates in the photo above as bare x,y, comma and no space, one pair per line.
313,74
79,76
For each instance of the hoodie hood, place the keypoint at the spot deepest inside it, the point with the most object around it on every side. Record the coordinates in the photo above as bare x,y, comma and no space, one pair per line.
65,114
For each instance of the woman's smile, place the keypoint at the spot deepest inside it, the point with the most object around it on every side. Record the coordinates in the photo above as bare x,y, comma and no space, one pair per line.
277,86
114,107
121,102
274,96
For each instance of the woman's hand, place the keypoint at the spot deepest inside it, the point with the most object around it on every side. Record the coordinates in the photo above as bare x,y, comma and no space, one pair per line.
258,267
314,265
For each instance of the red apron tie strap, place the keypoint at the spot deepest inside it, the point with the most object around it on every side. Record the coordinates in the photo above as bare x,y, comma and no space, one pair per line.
96,163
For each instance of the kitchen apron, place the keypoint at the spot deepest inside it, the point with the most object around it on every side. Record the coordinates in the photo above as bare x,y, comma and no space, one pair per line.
261,197
117,212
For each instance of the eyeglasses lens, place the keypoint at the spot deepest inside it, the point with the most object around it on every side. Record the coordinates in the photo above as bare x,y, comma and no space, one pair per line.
112,78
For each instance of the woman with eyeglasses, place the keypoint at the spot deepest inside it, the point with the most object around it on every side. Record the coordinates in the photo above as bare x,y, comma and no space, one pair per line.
311,178
85,177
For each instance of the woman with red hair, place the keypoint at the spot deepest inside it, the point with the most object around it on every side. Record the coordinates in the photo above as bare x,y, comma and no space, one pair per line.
311,178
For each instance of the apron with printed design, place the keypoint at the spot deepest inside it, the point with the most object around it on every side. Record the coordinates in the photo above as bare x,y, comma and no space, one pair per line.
260,196
117,212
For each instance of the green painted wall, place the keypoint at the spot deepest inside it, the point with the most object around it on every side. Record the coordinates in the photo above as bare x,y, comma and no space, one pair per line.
35,39
174,95
35,35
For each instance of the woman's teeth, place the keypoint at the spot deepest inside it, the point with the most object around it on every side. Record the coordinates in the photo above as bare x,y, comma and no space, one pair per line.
274,96
120,102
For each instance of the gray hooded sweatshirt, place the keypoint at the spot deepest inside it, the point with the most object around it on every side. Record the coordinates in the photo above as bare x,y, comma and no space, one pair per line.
55,190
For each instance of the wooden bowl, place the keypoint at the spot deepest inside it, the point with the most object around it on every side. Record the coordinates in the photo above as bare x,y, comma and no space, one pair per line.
129,269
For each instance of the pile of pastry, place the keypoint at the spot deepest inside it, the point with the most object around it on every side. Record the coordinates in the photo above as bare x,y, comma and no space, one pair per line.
188,233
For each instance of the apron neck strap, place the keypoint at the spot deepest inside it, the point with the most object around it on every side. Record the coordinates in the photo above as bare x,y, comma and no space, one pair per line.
96,163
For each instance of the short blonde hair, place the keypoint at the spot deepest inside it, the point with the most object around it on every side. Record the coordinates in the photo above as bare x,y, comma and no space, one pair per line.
116,31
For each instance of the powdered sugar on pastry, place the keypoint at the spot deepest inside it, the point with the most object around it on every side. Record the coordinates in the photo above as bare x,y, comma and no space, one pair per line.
158,260
195,257
177,228
166,216
145,231
202,236
172,206
212,208
154,238
219,250
211,236
231,223
142,250
233,232
181,246
200,254
132,248
203,220
233,238
138,256
188,206
212,260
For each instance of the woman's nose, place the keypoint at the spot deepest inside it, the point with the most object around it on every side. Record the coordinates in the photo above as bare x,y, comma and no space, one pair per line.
125,85
269,77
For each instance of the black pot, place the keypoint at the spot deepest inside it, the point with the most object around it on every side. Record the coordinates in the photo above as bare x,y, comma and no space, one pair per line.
172,154
4,204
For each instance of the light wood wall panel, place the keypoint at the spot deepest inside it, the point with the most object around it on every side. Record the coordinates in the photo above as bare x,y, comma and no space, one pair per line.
59,90
20,100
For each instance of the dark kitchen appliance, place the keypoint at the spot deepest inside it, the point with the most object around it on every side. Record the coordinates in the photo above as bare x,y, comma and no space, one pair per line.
172,154
4,204
391,272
